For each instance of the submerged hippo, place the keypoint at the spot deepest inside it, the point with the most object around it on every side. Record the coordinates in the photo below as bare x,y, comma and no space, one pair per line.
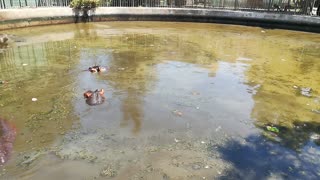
7,136
94,97
94,69
3,41
7,39
4,38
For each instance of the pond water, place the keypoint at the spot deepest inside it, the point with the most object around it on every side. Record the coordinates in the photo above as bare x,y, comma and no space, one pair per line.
183,101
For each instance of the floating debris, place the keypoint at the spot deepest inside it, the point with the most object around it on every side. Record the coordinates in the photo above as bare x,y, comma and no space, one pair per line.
34,99
296,87
263,31
176,140
243,59
273,129
306,91
195,93
108,172
29,158
24,64
3,82
316,111
177,112
315,136
207,167
196,167
218,128
202,142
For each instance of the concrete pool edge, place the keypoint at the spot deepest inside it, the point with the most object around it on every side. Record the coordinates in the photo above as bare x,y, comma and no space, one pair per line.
26,17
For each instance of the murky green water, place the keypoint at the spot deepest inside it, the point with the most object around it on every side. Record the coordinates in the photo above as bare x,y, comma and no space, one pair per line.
183,101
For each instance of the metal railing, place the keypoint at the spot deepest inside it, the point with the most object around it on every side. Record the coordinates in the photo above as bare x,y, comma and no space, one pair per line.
281,6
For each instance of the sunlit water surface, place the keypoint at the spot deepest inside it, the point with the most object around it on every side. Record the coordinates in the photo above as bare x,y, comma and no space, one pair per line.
183,101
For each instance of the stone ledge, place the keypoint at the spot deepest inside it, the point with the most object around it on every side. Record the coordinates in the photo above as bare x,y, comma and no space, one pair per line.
14,18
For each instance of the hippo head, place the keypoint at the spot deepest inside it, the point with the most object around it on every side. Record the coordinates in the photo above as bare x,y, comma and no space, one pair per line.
94,97
94,69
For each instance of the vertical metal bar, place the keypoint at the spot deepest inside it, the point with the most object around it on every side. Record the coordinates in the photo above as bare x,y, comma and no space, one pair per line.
269,5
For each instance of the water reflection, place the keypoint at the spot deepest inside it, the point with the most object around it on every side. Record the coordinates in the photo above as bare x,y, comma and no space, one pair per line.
36,71
133,76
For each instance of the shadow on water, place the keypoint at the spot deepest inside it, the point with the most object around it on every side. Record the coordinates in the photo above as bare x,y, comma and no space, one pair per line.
293,154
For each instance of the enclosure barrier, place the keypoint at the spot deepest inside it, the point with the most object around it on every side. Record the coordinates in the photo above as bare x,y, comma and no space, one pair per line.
299,7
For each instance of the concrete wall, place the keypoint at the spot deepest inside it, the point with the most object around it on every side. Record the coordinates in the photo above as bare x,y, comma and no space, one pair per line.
15,18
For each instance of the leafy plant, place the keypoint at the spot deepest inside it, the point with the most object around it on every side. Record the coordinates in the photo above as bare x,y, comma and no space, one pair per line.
273,129
84,4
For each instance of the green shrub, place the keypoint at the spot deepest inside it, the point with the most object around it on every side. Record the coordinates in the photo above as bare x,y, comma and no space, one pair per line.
84,4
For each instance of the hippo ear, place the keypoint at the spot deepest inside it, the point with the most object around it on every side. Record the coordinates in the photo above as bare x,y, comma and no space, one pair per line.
87,94
101,91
